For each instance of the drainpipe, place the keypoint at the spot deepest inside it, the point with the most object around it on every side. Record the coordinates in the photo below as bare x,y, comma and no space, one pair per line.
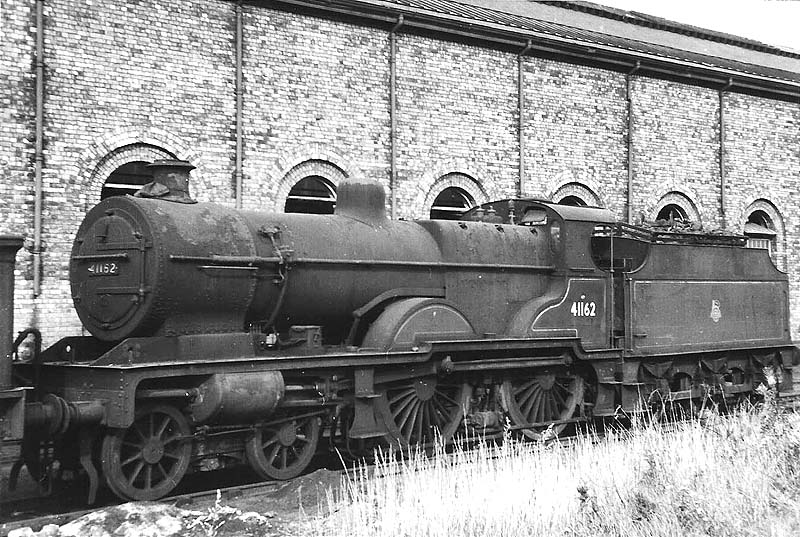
521,119
393,113
722,171
38,154
239,104
629,101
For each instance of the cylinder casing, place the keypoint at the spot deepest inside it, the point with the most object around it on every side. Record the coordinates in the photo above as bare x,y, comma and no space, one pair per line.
227,398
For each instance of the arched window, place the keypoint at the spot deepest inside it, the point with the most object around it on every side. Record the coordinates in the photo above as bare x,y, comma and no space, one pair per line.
760,231
451,203
313,195
126,179
574,201
672,211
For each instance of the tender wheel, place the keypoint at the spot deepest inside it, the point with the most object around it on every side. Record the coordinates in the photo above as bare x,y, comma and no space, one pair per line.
416,411
283,450
147,460
543,398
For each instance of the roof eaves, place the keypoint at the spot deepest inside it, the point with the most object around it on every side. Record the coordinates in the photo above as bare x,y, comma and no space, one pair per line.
559,39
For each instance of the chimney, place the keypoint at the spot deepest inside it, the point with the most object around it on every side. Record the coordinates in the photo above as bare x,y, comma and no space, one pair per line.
9,244
170,181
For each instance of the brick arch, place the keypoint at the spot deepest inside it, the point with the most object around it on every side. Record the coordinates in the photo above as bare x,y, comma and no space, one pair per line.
323,168
452,179
591,189
113,147
681,200
579,191
670,187
118,157
771,210
288,160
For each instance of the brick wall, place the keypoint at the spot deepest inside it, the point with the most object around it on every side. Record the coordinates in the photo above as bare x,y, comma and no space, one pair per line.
676,145
152,79
575,126
456,114
120,74
316,90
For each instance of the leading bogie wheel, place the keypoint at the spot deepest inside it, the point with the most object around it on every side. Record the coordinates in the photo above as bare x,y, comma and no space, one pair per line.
284,449
147,460
544,398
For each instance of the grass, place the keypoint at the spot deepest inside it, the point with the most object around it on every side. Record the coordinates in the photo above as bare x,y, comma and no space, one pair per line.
731,475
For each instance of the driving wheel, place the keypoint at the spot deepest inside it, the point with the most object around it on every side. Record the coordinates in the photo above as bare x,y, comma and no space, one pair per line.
417,411
543,399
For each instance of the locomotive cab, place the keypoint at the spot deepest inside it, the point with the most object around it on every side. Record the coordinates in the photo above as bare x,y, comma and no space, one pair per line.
578,296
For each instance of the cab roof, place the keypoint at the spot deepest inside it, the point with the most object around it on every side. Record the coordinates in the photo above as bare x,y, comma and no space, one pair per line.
565,212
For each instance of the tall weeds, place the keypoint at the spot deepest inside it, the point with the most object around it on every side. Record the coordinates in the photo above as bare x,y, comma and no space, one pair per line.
732,475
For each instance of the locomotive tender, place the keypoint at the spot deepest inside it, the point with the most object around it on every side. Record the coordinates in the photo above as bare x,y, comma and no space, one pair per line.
221,336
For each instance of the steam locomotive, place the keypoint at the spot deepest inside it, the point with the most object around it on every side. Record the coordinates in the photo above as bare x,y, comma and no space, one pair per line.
221,336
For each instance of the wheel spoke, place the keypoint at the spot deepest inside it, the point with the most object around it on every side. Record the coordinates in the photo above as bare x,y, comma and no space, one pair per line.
396,410
545,399
559,398
409,392
441,412
135,457
273,453
271,440
163,427
443,395
551,408
427,405
402,419
139,432
410,421
419,422
148,476
270,458
148,459
136,472
529,406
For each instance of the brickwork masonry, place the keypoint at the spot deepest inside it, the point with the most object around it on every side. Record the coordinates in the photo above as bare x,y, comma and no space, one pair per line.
140,80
